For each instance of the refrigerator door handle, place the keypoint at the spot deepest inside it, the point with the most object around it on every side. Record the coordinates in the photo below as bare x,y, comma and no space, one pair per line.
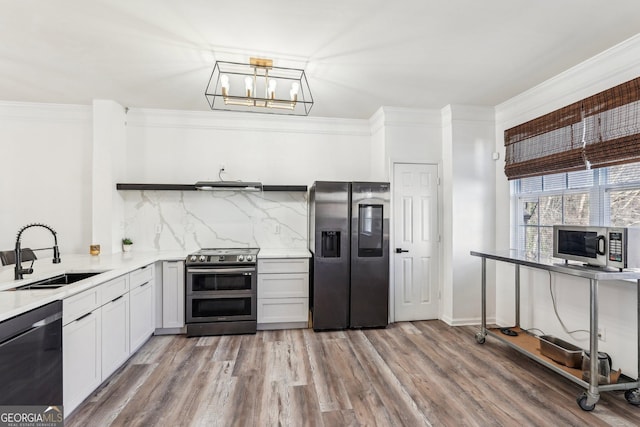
400,250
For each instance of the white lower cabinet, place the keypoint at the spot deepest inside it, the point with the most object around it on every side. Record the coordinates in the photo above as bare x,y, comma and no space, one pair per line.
283,310
142,306
173,294
82,358
283,293
142,324
115,334
102,327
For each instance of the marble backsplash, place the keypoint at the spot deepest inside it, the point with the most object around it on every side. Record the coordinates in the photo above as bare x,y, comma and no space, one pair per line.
190,220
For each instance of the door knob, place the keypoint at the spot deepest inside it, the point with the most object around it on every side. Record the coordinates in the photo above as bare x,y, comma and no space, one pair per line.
400,250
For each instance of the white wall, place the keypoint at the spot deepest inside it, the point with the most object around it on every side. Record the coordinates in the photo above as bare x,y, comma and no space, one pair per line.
411,135
108,166
402,135
45,175
378,159
618,306
469,218
185,147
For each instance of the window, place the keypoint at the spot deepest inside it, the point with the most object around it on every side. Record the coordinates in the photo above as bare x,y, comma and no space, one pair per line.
604,196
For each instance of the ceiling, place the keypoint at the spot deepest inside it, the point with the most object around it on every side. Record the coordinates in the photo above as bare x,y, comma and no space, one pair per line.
359,55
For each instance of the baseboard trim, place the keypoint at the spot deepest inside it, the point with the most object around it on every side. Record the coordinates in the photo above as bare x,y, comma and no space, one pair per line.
473,321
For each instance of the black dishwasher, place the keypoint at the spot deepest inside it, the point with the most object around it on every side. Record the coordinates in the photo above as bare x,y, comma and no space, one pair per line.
31,357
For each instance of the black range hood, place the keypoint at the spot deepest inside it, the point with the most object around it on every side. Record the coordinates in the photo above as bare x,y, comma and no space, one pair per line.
228,185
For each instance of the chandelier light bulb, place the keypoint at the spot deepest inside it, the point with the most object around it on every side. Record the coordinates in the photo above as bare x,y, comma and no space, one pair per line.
272,88
293,93
224,83
248,83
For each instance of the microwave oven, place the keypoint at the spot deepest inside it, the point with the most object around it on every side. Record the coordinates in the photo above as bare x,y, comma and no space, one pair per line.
614,247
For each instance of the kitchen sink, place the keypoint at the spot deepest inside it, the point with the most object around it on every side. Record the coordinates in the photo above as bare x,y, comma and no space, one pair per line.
58,281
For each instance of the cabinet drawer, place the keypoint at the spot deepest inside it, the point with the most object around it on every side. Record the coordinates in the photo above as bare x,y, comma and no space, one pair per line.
282,265
140,276
283,285
114,288
282,310
80,304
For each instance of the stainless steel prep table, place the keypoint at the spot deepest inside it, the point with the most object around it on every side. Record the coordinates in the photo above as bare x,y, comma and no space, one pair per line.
586,400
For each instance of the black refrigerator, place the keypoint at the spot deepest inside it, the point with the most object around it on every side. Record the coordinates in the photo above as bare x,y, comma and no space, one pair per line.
349,241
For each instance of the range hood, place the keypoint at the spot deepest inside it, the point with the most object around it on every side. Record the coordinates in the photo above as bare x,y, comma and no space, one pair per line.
228,185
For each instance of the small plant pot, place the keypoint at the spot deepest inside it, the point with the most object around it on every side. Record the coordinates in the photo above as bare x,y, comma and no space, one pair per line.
126,248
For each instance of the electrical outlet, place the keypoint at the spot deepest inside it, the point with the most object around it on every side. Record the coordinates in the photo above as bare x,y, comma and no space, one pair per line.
602,334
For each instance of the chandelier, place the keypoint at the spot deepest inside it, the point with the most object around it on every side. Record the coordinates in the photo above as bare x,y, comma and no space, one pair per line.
258,87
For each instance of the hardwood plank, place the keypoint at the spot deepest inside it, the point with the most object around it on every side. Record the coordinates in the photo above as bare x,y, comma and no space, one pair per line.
305,410
331,392
110,400
346,418
364,399
410,374
428,378
398,403
215,397
228,347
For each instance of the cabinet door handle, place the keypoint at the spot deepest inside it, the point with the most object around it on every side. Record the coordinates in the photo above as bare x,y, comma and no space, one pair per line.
83,316
114,300
144,284
400,250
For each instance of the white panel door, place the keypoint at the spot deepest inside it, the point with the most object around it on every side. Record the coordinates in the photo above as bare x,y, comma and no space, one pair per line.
415,206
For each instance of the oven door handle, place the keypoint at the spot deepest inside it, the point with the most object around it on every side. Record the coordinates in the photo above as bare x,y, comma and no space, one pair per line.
220,270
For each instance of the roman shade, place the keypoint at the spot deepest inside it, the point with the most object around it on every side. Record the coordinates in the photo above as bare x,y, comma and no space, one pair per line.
612,125
598,131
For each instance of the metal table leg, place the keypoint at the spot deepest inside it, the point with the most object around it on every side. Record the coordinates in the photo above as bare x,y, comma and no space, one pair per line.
593,395
481,336
518,295
633,395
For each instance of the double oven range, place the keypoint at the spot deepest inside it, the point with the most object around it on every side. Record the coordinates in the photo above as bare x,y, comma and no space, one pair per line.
221,291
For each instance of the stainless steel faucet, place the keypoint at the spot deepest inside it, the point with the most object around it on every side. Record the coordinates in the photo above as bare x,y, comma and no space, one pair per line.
19,271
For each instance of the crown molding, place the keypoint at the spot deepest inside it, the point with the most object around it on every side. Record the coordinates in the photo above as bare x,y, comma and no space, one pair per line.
31,111
467,113
404,117
609,68
253,122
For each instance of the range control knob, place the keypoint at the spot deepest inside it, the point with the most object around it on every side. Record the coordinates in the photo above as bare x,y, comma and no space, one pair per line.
240,258
193,258
221,258
202,258
249,257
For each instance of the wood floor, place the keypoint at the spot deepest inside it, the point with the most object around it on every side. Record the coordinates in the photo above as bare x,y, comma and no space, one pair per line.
409,374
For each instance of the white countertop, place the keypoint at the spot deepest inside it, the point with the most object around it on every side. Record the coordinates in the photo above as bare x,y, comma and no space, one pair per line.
266,253
110,266
14,302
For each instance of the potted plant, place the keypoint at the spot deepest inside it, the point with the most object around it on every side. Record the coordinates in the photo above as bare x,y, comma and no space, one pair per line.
126,244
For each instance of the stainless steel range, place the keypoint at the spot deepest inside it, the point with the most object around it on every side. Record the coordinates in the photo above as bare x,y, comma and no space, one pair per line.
221,291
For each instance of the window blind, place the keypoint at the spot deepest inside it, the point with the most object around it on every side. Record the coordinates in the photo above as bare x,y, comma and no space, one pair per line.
545,145
612,131
598,131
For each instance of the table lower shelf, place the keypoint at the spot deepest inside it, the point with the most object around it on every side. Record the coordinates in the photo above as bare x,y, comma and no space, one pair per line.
530,346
